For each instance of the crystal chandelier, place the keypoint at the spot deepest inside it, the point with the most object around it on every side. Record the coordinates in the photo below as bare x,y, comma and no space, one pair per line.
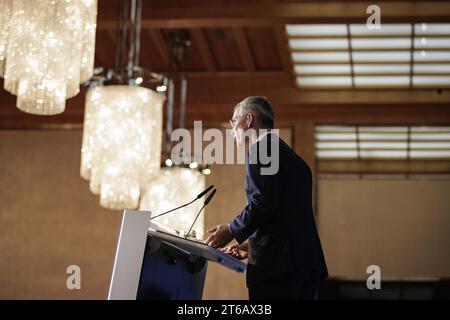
47,48
177,184
5,13
122,131
121,142
173,187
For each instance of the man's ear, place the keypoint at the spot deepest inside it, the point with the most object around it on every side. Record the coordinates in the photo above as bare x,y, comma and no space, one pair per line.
249,119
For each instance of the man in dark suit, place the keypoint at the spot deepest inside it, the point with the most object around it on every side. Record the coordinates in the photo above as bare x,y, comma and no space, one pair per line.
285,258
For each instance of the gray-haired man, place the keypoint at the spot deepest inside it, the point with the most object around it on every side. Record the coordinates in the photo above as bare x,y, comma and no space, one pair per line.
285,258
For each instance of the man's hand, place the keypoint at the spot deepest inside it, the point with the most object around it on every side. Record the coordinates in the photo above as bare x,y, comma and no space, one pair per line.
239,251
220,236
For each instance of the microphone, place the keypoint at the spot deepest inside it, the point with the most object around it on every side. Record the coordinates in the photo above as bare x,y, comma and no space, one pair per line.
201,194
204,191
211,195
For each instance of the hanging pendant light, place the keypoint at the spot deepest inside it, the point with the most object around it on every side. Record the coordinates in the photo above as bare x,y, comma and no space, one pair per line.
5,14
173,187
121,142
48,51
176,185
122,130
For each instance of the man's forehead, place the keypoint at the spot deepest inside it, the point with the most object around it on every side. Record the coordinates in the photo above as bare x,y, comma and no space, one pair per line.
237,109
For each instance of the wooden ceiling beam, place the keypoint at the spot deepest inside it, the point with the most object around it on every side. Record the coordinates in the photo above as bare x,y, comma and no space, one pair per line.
217,115
280,88
244,48
199,37
283,47
228,89
290,115
161,45
222,13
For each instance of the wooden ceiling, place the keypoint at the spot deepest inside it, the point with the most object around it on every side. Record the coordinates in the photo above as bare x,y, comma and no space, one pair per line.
239,48
231,49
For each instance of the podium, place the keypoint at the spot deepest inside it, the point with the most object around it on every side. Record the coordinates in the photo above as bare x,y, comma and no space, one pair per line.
153,264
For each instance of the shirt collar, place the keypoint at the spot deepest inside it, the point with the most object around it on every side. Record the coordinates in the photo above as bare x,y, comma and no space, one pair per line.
263,135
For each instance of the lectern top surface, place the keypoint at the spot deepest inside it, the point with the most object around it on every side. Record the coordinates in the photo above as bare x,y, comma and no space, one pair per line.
201,249
187,239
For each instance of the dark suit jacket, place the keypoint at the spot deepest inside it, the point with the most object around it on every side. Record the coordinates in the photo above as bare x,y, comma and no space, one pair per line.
278,219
